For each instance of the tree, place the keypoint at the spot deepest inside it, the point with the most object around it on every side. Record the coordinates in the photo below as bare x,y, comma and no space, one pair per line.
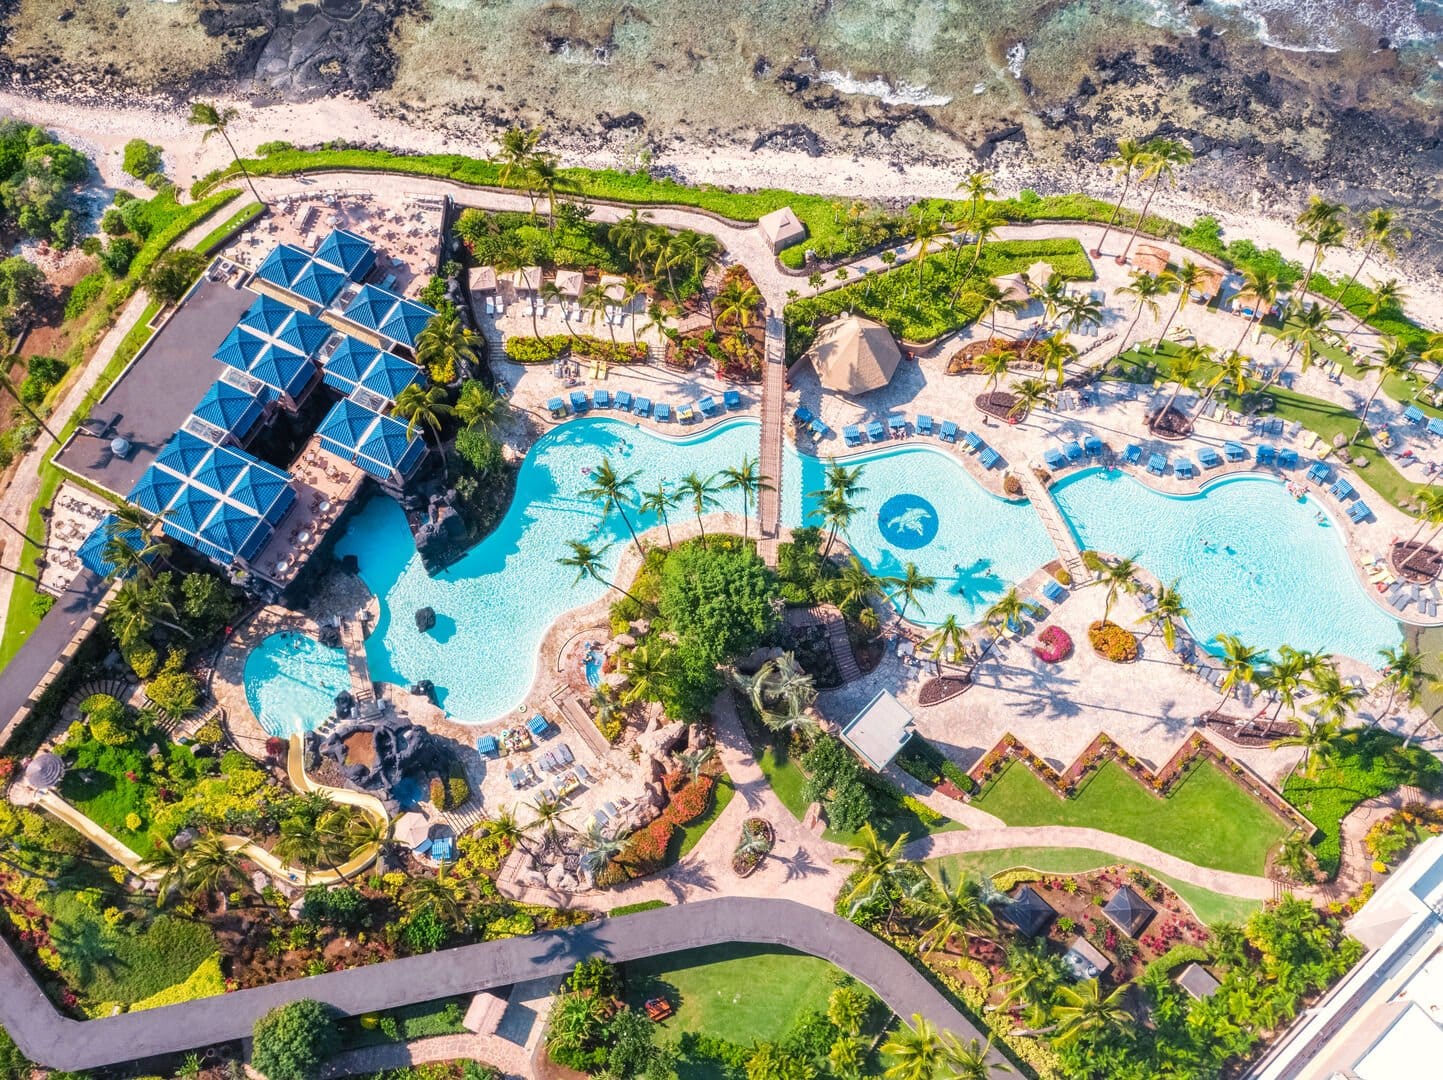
210,866
1054,354
1387,296
141,158
648,670
1009,610
1239,665
909,586
1303,327
586,561
1430,512
1083,1010
1380,232
1261,288
172,273
971,1060
847,1009
1317,741
1285,677
856,587
837,510
217,121
747,479
949,639
1130,158
294,1041
478,407
876,862
1145,289
1184,280
994,363
1403,673
434,897
1320,224
598,850
168,866
1029,394
1333,699
957,911
138,607
1119,576
916,1050
1163,157
9,387
1184,367
658,502
983,224
1168,613
925,229
447,344
426,408
515,149
718,602
702,498
613,491
21,284
1392,359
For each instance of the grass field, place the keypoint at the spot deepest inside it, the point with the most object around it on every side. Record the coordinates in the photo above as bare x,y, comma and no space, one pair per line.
1210,907
742,993
1208,820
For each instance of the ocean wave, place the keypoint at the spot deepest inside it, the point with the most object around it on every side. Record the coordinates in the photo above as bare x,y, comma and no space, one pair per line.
901,93
1330,25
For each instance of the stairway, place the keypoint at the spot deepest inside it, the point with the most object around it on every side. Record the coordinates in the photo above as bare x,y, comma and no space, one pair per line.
838,642
774,394
1057,531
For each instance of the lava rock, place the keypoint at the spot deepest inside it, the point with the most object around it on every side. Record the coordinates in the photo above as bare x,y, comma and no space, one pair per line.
425,619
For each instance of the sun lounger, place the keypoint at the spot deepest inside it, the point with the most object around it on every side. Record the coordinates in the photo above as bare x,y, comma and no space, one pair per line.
1341,490
662,411
1157,464
1054,458
581,773
1234,451
1133,454
852,435
876,431
1208,458
819,429
1413,414
707,405
1183,469
732,399
486,745
924,424
989,457
1360,511
602,399
556,407
1073,450
1054,591
1435,426
538,725
1320,471
1400,600
1092,445
623,400
897,424
1287,458
972,440
803,415
949,431
1293,429
579,402
685,414
1267,452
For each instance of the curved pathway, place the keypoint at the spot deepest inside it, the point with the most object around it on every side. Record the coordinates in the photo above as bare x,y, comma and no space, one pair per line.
61,1043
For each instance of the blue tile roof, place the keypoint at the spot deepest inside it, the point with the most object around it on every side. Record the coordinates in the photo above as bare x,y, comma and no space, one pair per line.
406,321
348,364
92,551
229,408
370,306
378,444
319,283
303,333
389,375
239,349
266,315
282,265
351,254
285,370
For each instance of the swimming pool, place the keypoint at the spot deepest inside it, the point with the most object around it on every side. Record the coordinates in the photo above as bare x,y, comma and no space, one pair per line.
1249,559
292,680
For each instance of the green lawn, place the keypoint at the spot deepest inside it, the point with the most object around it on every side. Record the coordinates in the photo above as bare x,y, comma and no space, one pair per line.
422,1020
1208,820
1210,907
688,836
741,993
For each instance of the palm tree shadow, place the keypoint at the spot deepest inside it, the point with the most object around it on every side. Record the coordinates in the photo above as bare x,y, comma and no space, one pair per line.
799,865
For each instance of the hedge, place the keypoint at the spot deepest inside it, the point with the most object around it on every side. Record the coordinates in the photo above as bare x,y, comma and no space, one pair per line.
632,909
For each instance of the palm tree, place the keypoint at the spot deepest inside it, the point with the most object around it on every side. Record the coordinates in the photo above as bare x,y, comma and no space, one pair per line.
1184,366
1317,741
1129,158
1380,232
1403,673
648,669
1303,326
1320,224
1184,279
438,895
877,862
550,815
1261,286
983,224
1120,576
447,342
993,301
544,176
476,406
210,866
1054,354
1164,156
216,121
169,866
856,587
1168,613
1392,358
658,502
1083,1010
594,301
1334,699
747,479
1285,678
994,363
693,761
916,1049
586,561
1387,296
958,911
1239,665
1430,512
137,608
971,1060
631,289
702,499
979,187
949,639
1010,610
1029,394
515,150
912,583
1145,289
427,408
1081,310
598,849
613,491
925,229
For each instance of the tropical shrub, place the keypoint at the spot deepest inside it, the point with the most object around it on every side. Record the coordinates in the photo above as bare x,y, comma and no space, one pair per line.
1113,642
106,717
41,373
1007,880
294,1041
458,791
691,802
141,158
537,350
142,658
177,692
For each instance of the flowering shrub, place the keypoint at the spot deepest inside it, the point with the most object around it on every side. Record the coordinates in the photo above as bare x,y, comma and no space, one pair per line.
1054,645
1112,642
691,802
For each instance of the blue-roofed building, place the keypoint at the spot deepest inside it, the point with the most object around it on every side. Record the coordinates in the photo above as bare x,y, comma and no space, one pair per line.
266,316
286,371
283,264
319,283
92,551
303,333
348,363
391,316
370,306
406,321
389,375
226,411
375,443
351,254
239,349
318,278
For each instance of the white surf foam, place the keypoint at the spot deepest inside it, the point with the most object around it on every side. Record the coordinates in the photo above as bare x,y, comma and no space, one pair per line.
901,93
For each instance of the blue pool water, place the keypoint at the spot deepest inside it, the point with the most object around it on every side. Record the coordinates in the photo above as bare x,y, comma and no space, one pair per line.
292,680
1250,559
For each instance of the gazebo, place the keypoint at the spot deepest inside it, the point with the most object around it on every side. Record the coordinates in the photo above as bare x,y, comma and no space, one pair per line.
1038,272
483,279
1151,258
781,229
614,286
527,279
569,283
853,355
1028,912
1129,912
44,771
879,730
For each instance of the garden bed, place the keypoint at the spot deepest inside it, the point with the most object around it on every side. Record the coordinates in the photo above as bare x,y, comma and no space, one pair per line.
942,688
1423,564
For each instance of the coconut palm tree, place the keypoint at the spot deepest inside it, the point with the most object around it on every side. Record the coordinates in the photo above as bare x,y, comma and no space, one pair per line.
1165,156
550,815
594,302
440,895
1380,232
1387,296
137,608
979,188
701,491
1145,289
1167,283
747,479
1285,678
836,513
169,866
613,490
948,640
515,149
1168,613
992,301
1081,311
1391,359
1054,354
855,586
876,861
1010,610
1429,501
1403,674
1318,741
1185,279
544,177
959,910
994,363
1304,326
925,229
971,1060
658,502
648,669
424,408
1320,223
631,291
1120,577
1333,700
217,121
693,761
1129,159
1239,665
447,342
1084,1010
1029,394
909,586
1184,367
210,866
506,827
983,224
586,561
1261,287
630,233
478,407
916,1050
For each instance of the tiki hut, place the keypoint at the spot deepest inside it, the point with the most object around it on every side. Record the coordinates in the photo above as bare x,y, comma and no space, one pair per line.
853,355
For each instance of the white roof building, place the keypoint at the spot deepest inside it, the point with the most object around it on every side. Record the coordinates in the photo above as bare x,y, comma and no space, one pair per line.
879,731
781,229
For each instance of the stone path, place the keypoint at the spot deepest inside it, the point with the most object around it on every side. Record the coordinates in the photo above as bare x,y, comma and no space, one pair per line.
510,1059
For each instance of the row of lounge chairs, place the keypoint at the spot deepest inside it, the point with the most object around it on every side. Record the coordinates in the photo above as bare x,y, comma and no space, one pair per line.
1073,452
896,427
623,401
1416,416
1399,595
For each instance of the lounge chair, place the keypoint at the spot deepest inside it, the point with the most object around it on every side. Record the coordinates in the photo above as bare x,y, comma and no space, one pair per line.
803,415
852,435
601,399
1073,450
1435,426
1054,458
1208,458
662,411
1267,452
989,457
486,745
642,406
579,402
1414,415
1092,446
973,440
1360,512
897,425
707,405
538,725
622,399
820,430
1341,490
1287,458
924,424
1184,469
949,431
876,431
1054,591
1157,464
1234,451
732,399
1320,471
1133,454
1293,429
556,407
